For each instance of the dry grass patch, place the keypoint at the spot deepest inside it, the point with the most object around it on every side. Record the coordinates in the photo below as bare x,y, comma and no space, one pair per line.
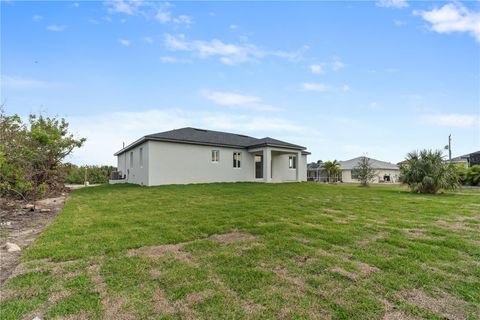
444,304
156,252
231,237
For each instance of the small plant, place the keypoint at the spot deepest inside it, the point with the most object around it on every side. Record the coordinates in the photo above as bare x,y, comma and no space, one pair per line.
426,172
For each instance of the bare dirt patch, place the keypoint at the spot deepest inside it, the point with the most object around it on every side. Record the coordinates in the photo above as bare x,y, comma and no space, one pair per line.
21,224
78,316
231,237
112,307
415,233
156,252
161,302
374,238
443,304
283,274
57,296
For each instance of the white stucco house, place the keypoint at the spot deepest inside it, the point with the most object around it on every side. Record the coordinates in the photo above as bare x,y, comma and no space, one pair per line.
191,155
384,171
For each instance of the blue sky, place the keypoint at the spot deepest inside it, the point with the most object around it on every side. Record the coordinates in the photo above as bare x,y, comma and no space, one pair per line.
341,78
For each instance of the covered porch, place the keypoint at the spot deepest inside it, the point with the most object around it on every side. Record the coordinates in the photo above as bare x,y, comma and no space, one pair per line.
272,164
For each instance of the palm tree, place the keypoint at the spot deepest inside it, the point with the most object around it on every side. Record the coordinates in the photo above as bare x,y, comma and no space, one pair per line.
333,170
427,172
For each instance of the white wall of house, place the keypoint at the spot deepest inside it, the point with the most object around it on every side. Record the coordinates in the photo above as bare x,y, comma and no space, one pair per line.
180,163
379,174
135,169
281,170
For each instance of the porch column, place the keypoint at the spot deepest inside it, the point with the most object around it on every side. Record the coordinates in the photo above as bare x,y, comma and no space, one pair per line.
267,165
299,158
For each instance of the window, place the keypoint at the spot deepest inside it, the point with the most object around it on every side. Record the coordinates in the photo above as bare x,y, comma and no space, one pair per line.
237,156
354,174
141,157
215,156
292,162
131,159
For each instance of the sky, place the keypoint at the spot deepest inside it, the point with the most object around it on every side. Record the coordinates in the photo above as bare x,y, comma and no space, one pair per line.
344,79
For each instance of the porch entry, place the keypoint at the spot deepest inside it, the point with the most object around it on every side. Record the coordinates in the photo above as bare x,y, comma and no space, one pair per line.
258,166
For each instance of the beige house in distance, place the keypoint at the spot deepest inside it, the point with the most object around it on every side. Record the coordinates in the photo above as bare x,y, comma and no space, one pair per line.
384,171
191,155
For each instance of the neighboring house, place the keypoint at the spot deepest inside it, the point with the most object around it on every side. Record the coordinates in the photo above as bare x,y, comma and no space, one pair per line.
191,155
315,172
384,171
468,160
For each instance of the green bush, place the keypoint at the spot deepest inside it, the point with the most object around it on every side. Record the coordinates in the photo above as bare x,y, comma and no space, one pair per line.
31,154
93,174
427,172
471,176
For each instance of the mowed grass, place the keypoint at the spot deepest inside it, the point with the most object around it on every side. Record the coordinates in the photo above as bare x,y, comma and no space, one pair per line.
253,251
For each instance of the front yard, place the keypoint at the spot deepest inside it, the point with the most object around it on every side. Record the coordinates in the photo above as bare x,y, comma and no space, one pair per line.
248,251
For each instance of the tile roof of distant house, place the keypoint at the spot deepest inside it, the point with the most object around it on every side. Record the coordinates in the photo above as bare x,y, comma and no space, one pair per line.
376,164
214,138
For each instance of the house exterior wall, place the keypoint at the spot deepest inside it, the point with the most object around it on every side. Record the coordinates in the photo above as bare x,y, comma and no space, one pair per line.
303,167
280,169
135,172
379,173
180,163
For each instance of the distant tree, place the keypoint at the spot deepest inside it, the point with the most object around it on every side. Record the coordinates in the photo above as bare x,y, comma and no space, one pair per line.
30,156
333,170
426,172
364,171
93,174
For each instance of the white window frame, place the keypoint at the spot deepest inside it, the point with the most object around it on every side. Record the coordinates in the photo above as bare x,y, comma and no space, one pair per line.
237,160
131,159
140,157
215,156
292,162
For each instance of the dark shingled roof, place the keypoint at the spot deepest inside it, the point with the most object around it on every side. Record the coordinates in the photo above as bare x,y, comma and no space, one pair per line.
210,137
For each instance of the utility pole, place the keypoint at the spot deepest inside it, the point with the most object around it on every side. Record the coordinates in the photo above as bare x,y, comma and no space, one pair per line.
449,147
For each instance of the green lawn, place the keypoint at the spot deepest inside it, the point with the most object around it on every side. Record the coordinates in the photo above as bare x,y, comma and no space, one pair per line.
251,251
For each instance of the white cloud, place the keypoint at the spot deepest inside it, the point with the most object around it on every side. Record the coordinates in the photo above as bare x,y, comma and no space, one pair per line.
148,40
237,100
392,3
37,18
337,64
25,83
373,105
151,10
105,137
76,4
312,86
399,23
183,19
56,27
126,7
169,59
453,120
453,17
317,68
346,88
228,53
233,26
164,15
124,42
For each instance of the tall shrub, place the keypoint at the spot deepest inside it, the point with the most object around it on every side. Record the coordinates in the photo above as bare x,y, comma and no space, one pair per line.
31,154
426,172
